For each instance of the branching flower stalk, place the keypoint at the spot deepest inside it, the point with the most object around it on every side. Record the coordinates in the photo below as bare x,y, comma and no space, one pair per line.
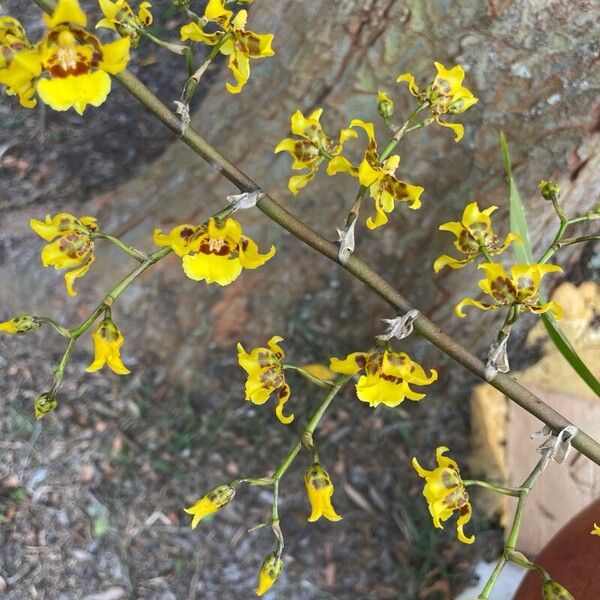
427,329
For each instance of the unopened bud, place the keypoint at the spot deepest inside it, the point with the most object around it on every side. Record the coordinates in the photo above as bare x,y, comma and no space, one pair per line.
550,191
552,590
215,500
385,105
269,573
44,404
20,325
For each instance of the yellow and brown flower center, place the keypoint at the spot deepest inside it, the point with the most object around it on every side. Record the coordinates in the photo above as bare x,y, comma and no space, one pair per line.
318,479
109,332
503,290
272,377
305,151
215,246
75,245
71,51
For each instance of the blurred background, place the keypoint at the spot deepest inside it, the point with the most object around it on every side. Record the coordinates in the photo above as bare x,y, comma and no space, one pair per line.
91,497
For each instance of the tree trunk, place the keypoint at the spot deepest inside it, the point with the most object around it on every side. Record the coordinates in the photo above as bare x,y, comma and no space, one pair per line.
533,66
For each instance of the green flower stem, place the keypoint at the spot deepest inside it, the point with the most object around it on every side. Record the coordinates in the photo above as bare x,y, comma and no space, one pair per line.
312,424
139,256
316,380
510,553
578,240
192,83
60,370
402,130
59,328
175,48
120,287
507,491
484,252
424,327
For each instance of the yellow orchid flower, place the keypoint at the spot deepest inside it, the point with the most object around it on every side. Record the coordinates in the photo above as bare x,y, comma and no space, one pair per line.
69,68
269,573
444,95
241,45
265,375
445,492
379,177
521,288
595,530
387,376
19,62
108,340
320,489
216,499
73,247
312,148
473,232
120,17
216,252
20,325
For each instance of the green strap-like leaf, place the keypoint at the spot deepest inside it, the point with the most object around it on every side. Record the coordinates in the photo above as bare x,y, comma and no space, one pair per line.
523,254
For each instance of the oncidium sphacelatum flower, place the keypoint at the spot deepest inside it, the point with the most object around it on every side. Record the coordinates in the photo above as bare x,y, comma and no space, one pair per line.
520,288
311,147
72,248
319,490
216,252
445,95
269,573
69,68
473,233
234,40
19,62
378,176
20,325
108,341
120,17
445,493
595,530
215,500
265,375
387,376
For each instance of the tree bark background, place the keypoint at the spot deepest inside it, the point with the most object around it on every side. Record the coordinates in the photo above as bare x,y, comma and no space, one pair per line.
534,67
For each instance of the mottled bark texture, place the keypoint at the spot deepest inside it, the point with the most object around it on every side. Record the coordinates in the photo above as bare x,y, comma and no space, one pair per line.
534,66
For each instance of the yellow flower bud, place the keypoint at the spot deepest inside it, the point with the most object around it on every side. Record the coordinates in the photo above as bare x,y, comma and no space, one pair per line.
108,340
269,573
552,590
216,499
550,191
320,489
20,325
44,404
385,105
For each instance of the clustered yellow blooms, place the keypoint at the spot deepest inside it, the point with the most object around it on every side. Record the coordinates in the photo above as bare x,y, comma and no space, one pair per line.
445,95
72,248
216,252
473,233
387,376
445,492
312,147
20,325
378,177
216,499
265,375
320,490
595,530
68,68
235,41
120,17
108,340
269,573
519,289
